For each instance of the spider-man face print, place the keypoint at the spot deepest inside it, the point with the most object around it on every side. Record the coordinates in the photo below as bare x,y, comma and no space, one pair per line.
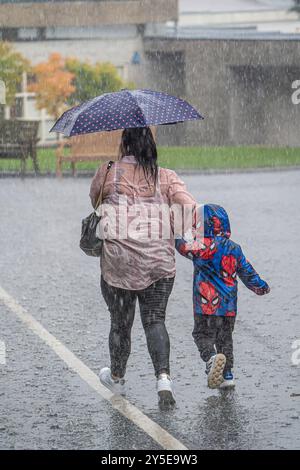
228,269
207,248
209,298
217,225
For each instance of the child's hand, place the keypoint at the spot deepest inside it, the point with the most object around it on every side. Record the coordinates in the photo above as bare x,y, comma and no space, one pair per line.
262,290
189,236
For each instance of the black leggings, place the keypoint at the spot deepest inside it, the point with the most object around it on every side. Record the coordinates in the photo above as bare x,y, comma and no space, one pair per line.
153,303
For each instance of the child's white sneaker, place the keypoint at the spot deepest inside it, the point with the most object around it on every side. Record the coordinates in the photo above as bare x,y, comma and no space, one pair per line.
165,390
116,386
228,381
214,370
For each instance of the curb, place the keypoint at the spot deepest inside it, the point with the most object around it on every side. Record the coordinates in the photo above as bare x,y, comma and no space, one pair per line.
90,174
231,171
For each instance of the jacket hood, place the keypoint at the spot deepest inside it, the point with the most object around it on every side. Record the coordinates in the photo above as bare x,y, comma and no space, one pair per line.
216,221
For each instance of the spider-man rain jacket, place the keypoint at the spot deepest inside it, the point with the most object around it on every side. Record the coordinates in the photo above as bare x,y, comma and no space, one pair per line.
217,263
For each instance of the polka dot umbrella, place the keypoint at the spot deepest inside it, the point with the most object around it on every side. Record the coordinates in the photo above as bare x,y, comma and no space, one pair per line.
124,109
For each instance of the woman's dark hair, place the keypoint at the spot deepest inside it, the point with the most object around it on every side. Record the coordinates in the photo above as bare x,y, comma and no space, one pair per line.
140,143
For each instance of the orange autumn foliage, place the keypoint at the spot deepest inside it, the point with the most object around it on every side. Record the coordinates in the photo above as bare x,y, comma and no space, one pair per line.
53,85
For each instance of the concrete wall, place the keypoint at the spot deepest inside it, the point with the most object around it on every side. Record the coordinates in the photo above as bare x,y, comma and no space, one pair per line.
166,71
261,109
242,87
118,50
43,14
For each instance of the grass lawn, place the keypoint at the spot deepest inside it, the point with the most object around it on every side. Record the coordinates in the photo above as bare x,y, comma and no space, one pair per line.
186,158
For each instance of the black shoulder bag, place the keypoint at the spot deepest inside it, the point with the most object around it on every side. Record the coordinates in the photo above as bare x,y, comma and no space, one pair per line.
89,242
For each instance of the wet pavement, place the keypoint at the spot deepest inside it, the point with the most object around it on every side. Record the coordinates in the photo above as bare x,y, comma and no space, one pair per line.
45,405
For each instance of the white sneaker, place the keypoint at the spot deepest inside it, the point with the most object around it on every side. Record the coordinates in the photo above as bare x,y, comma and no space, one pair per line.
214,370
116,386
165,390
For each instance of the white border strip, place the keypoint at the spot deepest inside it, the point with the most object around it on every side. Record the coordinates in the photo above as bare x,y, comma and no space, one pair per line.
152,429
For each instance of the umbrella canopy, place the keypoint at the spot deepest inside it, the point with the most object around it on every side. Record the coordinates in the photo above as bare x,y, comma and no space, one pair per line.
124,109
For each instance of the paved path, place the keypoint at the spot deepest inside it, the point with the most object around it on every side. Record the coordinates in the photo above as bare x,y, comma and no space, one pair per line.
50,402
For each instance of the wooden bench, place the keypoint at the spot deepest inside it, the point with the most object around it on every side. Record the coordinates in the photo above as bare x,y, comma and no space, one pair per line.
18,140
98,146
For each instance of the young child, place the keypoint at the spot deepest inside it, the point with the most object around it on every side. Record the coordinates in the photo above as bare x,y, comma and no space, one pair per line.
217,263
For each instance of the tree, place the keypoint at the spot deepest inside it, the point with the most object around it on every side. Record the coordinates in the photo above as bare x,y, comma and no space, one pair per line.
12,66
93,80
52,85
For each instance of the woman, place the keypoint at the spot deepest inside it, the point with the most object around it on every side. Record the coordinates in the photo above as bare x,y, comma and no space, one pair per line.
138,266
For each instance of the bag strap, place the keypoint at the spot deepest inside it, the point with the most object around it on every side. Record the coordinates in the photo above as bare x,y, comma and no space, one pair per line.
100,198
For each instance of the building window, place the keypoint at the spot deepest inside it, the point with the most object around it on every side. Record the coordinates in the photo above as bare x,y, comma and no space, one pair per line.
17,110
9,34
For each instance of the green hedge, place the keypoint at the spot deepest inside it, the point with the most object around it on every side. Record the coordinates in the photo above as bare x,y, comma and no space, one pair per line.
186,158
